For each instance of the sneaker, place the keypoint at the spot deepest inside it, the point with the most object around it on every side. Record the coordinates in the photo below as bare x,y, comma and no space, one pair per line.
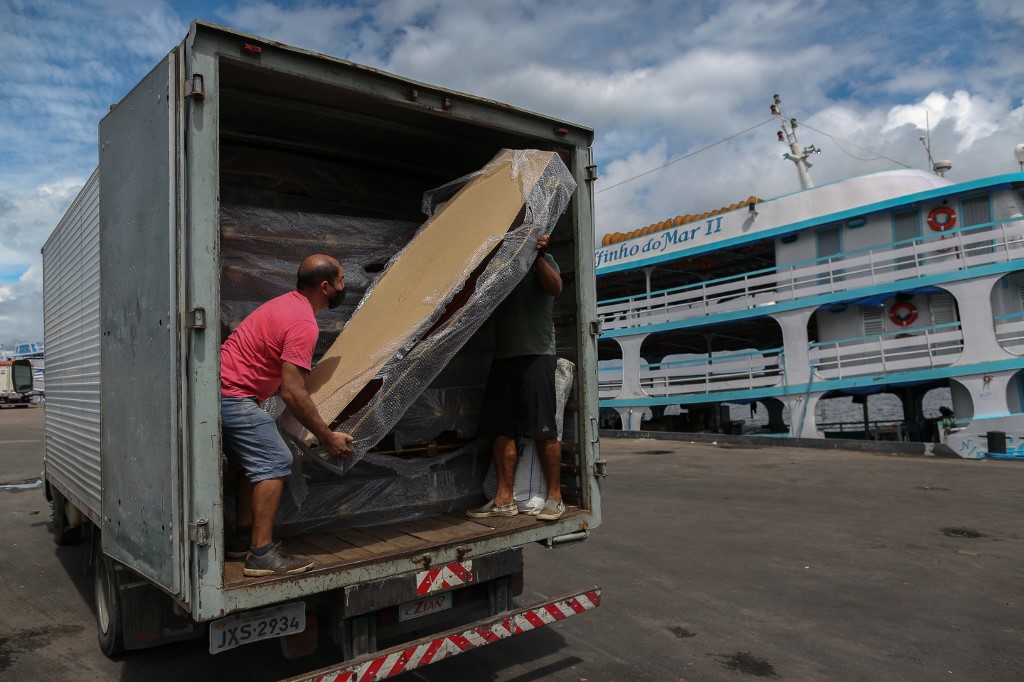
237,546
552,511
491,509
277,561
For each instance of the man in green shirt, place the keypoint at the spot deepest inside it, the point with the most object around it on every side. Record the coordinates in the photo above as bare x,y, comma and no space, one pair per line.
520,396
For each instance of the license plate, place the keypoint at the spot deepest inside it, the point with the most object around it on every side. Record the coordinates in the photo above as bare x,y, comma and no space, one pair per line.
425,606
252,626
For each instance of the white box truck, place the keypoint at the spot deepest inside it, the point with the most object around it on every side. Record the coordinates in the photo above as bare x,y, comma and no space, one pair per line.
167,247
16,387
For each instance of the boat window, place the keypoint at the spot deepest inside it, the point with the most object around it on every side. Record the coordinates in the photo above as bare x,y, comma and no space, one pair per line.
874,322
943,308
976,211
905,226
830,243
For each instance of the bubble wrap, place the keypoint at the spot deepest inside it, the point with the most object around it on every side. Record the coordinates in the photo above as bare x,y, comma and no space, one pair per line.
412,367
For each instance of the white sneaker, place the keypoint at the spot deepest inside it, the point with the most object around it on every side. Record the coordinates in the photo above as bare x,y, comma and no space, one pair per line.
552,511
491,509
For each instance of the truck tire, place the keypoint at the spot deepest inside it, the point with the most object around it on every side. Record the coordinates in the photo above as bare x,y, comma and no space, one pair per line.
108,608
62,534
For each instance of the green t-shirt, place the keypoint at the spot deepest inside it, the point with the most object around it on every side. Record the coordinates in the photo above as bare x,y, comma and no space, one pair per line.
522,323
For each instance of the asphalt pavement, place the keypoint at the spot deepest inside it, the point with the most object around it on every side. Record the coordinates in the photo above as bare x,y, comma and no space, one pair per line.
717,563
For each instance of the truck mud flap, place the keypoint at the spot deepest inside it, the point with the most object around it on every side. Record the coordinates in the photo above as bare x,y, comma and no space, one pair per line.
385,664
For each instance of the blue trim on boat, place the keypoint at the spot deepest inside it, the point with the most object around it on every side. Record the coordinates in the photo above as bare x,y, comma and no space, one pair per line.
808,262
823,299
995,183
822,386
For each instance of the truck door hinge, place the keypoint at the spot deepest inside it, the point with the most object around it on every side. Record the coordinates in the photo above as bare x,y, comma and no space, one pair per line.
600,465
199,532
197,318
596,327
194,86
591,173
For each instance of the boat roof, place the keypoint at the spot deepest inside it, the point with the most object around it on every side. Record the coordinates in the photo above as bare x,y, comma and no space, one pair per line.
790,213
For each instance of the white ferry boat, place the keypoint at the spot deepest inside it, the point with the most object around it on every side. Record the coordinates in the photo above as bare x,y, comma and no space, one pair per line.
897,282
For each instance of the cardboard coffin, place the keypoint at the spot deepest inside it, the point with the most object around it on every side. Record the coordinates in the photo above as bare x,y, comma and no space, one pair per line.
433,295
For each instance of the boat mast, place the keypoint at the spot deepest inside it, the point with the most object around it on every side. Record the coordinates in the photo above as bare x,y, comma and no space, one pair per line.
796,154
940,168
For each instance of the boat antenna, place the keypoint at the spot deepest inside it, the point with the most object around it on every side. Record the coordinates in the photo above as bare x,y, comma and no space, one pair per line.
795,154
938,167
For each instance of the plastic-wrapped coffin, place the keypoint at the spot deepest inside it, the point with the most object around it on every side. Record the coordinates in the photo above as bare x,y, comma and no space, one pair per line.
433,295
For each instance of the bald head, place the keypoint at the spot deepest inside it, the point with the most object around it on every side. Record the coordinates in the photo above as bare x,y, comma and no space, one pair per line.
316,269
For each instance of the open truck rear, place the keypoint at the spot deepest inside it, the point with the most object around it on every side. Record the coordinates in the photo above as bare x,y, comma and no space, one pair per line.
231,156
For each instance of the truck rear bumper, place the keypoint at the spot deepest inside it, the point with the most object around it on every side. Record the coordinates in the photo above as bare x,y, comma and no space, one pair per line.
385,664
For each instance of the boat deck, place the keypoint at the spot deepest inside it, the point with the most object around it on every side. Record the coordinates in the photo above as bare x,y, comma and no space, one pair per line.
352,547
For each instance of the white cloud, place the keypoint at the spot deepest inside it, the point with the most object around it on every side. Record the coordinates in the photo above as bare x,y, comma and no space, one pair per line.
974,117
26,220
312,26
20,309
656,81
1007,11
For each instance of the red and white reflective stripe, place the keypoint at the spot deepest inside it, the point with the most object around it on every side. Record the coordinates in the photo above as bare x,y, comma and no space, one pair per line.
425,652
444,577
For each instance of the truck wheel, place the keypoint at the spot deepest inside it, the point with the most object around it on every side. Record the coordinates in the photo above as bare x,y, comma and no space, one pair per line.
62,534
108,608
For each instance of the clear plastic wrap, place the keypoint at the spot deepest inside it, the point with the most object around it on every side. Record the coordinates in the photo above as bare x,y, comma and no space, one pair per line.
390,488
384,489
547,186
261,250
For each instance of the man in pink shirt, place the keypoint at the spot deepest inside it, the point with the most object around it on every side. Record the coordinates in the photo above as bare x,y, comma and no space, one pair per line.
273,349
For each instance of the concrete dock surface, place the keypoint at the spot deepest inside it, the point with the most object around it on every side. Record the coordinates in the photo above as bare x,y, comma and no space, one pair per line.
717,562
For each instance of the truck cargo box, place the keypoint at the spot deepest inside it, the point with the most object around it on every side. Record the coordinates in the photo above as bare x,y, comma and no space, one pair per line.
227,163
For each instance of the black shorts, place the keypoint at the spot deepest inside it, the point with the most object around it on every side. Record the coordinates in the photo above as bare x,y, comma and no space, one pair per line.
520,398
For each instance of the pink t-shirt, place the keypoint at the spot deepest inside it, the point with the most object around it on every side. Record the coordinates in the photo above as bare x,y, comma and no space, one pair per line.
283,328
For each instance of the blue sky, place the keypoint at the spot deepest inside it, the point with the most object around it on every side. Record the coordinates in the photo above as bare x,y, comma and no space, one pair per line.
656,80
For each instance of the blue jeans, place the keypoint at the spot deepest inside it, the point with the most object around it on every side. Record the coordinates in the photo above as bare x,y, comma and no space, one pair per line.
252,441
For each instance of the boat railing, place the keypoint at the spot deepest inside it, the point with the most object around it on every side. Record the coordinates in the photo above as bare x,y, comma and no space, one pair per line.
936,346
935,253
719,372
928,347
609,379
1010,332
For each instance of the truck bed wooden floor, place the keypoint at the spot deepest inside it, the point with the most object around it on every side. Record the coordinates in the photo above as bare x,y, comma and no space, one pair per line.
354,546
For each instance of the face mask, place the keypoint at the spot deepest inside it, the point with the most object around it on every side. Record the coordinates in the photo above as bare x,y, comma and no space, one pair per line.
335,300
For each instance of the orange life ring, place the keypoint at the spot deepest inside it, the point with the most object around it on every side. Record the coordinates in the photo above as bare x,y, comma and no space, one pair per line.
942,218
903,314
